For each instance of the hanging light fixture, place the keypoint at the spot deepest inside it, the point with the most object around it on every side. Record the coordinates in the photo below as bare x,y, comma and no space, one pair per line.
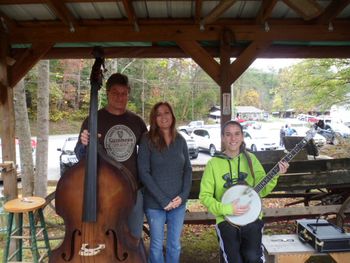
266,26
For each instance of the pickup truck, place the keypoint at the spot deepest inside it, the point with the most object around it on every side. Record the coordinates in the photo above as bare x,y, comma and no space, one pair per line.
191,126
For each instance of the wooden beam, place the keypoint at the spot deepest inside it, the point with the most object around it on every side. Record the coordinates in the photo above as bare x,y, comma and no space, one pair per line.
265,11
130,12
223,6
308,9
63,13
176,52
202,58
198,11
27,61
246,58
332,11
155,33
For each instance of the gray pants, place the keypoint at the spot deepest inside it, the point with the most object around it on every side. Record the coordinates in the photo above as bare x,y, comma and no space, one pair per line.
135,220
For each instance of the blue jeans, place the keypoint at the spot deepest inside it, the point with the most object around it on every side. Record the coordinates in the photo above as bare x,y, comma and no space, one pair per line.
135,220
174,219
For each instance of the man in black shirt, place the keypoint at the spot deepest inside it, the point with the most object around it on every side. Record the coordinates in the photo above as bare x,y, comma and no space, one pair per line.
119,132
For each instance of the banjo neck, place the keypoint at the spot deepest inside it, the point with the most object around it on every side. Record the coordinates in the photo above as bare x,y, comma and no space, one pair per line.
274,171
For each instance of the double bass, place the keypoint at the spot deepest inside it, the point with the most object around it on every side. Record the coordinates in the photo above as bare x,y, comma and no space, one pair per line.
94,198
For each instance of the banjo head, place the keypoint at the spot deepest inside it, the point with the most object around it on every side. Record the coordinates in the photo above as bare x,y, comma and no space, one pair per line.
246,195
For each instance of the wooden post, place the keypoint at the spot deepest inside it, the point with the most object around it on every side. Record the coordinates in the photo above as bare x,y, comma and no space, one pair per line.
225,84
7,124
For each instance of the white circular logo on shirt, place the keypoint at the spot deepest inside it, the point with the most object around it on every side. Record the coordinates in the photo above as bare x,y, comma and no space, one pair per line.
120,142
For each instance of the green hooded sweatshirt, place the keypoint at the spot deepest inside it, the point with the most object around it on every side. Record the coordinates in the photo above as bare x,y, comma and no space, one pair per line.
212,183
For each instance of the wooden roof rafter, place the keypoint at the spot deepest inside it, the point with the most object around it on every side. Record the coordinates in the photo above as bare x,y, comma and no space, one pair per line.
332,11
198,11
265,11
63,13
308,9
6,23
130,12
217,12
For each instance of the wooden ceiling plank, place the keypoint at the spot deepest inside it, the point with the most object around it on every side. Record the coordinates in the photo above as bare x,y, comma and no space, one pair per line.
130,12
27,61
246,58
308,9
332,11
217,11
265,11
202,58
63,13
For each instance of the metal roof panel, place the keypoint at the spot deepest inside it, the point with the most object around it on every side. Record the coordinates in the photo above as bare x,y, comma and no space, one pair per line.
157,9
28,12
180,9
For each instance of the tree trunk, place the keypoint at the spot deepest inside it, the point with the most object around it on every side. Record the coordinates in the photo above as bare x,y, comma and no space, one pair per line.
40,186
24,139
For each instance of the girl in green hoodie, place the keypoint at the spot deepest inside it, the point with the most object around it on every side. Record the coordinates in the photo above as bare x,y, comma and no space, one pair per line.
238,244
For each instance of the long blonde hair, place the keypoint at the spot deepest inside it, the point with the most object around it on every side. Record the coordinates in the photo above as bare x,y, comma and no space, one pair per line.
155,135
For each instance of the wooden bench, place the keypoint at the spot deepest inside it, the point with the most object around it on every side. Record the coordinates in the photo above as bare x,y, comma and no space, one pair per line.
289,249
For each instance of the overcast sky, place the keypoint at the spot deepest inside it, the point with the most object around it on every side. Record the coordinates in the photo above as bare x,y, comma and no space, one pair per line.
273,64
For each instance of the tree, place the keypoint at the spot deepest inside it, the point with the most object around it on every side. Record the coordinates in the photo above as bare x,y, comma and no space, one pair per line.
250,98
316,83
40,185
24,139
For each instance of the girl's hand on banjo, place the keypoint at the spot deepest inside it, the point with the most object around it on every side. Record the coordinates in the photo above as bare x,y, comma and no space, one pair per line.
239,209
283,166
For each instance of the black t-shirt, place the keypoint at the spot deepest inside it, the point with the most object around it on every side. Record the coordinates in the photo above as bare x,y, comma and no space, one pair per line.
120,135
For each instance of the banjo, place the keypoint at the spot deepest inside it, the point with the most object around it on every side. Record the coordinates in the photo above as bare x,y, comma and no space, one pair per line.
247,195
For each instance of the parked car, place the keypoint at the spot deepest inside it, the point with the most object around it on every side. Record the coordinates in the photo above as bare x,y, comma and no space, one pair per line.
259,141
251,124
333,132
318,138
67,156
193,149
307,118
18,160
191,126
208,139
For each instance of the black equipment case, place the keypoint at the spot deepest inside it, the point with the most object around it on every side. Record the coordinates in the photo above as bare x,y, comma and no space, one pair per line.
322,235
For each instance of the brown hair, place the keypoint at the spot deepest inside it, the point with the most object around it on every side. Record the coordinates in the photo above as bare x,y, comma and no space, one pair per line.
155,135
242,147
117,79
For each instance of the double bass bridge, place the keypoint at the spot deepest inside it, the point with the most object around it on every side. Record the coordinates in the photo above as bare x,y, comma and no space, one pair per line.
85,251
